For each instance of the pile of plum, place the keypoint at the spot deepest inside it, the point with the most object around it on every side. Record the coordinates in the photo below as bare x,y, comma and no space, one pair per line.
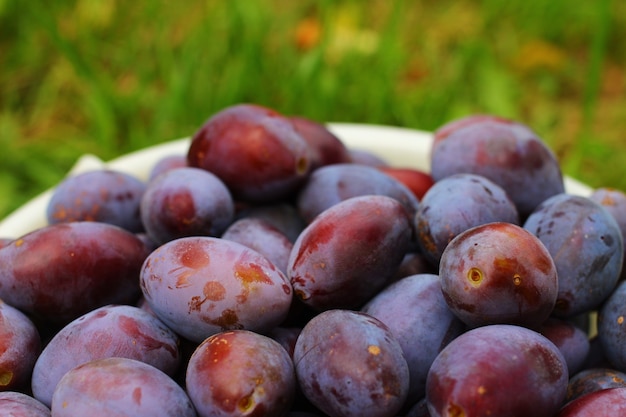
273,271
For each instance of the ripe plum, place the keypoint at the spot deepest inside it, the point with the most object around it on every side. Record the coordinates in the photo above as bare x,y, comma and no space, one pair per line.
498,273
612,327
594,379
62,271
605,402
202,285
18,404
119,387
255,150
499,370
587,247
102,195
614,201
240,373
455,204
349,364
109,331
332,184
186,202
349,252
20,345
414,310
507,152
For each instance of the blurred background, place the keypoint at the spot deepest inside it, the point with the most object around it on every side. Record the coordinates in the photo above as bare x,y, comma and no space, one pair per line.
110,76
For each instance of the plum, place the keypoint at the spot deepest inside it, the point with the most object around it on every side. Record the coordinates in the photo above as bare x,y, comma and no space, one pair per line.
186,202
498,273
20,345
606,402
333,184
455,204
18,404
499,370
119,387
349,252
571,340
594,379
254,150
416,313
103,195
62,271
349,364
612,329
587,247
201,285
416,180
109,331
239,372
507,152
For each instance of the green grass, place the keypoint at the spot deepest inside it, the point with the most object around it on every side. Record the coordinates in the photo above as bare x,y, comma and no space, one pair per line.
108,77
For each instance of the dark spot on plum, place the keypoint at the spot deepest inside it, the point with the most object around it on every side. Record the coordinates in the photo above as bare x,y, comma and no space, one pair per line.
455,411
561,305
600,262
339,397
286,289
228,320
607,239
